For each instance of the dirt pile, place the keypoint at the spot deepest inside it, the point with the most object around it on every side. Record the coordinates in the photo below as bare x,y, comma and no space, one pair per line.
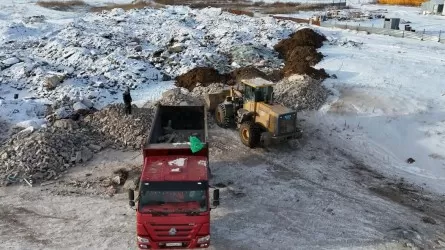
300,53
301,93
202,75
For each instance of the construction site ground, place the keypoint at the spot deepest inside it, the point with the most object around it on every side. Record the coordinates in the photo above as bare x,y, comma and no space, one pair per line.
306,194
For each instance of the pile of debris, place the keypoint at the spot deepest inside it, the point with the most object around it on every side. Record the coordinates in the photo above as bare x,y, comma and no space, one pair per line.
300,53
32,157
301,93
180,96
124,131
35,156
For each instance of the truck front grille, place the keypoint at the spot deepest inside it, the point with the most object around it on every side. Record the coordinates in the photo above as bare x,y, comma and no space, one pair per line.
183,231
286,124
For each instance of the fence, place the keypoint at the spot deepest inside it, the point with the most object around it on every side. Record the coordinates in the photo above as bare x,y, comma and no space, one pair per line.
390,32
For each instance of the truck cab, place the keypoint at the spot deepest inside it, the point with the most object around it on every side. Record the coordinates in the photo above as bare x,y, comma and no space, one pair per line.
173,200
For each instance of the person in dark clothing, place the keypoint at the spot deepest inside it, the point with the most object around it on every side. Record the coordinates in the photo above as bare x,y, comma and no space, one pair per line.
127,101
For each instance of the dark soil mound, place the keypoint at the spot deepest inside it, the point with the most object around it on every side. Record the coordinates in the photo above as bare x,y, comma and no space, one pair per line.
276,75
306,53
299,52
296,67
303,37
203,75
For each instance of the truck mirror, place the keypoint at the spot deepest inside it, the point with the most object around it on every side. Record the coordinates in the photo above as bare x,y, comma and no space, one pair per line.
216,197
131,194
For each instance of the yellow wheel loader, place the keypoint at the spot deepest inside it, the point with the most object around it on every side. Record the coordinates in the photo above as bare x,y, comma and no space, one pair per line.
252,110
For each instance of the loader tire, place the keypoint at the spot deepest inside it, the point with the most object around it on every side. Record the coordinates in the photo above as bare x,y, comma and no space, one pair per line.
250,134
222,118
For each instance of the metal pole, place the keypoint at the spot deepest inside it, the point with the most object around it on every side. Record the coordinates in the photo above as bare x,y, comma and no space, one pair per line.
440,33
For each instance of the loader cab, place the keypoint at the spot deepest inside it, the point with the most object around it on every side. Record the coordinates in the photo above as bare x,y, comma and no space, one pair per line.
258,90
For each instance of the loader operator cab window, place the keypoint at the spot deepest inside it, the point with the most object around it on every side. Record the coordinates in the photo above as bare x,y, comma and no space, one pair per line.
249,93
259,94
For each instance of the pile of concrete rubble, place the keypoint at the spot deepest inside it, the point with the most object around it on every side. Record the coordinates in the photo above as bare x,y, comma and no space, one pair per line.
301,93
34,156
124,131
179,96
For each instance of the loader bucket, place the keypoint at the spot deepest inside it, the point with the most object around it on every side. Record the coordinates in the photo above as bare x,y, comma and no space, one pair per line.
212,100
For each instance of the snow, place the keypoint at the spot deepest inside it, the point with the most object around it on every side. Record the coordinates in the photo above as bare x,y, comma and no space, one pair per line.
60,58
388,103
180,162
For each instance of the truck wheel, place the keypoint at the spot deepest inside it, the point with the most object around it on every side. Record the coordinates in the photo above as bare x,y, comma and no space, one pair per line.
250,134
221,117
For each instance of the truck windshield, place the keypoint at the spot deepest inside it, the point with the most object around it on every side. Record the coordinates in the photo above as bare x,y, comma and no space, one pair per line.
173,197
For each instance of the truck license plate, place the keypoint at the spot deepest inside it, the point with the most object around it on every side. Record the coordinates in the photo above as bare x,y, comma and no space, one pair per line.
173,244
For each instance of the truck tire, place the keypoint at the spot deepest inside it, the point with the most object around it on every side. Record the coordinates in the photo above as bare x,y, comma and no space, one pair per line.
222,118
250,134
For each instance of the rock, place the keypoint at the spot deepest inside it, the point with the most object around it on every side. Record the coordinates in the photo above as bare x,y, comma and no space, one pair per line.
79,106
95,148
165,77
129,185
138,48
88,103
63,113
410,160
116,180
111,191
176,48
66,124
78,157
4,156
25,133
50,82
86,154
10,61
429,220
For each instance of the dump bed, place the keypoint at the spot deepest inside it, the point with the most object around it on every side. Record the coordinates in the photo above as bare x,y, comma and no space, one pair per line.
173,125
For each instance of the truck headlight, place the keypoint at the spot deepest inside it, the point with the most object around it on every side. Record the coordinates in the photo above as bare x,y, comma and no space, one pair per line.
204,239
143,240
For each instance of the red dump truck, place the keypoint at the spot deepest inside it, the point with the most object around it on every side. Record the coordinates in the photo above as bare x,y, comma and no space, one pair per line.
173,195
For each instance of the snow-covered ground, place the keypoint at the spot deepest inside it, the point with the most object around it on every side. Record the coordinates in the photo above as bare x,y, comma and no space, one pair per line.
389,103
98,55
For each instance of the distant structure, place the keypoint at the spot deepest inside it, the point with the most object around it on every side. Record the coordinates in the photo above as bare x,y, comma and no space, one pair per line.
435,7
391,23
